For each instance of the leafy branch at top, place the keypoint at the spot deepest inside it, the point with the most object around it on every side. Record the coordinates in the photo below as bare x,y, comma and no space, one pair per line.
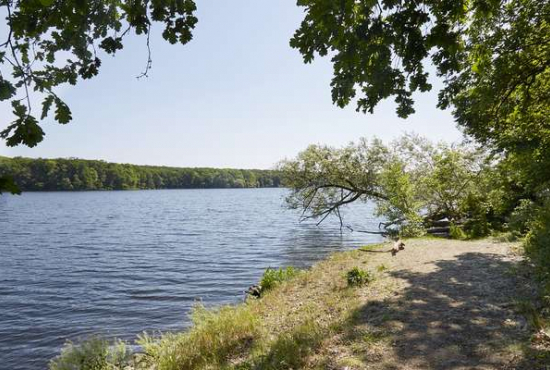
54,42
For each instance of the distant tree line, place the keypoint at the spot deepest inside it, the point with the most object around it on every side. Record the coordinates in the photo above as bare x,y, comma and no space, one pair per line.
78,174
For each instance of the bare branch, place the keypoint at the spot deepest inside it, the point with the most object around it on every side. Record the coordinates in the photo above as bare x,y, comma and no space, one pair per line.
145,73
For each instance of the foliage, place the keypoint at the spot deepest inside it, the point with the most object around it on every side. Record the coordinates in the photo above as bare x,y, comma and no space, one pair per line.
291,350
521,216
537,241
456,232
378,47
358,277
93,354
52,43
493,56
215,337
501,96
321,178
412,181
78,174
7,183
273,277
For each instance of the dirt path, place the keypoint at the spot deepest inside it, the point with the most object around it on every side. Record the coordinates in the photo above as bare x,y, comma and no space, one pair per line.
450,305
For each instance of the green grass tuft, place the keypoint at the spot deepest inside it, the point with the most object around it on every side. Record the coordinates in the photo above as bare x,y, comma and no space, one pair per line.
274,277
358,277
216,338
94,353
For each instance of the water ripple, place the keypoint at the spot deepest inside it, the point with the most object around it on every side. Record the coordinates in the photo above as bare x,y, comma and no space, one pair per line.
119,263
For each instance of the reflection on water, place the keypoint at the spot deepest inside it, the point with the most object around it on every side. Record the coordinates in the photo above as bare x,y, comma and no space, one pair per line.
118,263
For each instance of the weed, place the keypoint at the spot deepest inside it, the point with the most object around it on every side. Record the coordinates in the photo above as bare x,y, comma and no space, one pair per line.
95,353
273,277
358,277
216,337
371,247
290,350
381,268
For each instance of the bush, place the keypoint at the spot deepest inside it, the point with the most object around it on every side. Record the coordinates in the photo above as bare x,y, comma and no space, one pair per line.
477,211
358,277
93,354
521,216
537,241
273,277
456,232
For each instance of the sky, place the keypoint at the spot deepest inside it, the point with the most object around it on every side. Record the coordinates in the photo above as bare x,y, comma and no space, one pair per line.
236,96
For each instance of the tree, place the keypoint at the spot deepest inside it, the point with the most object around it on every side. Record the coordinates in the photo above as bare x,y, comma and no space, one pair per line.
492,54
494,57
8,184
54,42
379,48
79,174
413,182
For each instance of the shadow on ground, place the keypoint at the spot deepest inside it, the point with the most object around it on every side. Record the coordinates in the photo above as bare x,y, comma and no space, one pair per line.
456,314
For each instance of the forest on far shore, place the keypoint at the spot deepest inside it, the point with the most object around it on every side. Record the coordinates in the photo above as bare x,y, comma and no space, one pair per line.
79,174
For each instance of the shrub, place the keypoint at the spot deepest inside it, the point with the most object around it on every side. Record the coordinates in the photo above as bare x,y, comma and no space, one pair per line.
216,337
477,209
521,216
358,277
537,241
456,232
93,354
273,277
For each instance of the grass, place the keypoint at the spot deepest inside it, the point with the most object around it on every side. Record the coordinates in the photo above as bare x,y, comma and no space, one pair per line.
93,354
285,329
215,340
358,277
308,319
372,247
274,277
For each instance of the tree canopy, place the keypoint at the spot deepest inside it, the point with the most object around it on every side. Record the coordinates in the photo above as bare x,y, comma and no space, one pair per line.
54,42
79,174
413,182
493,56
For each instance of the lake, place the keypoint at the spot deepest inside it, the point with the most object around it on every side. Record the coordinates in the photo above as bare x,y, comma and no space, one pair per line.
119,263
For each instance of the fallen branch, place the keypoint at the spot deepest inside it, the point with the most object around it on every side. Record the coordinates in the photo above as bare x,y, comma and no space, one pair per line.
397,246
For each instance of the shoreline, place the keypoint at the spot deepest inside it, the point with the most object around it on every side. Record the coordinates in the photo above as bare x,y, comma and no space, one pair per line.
315,320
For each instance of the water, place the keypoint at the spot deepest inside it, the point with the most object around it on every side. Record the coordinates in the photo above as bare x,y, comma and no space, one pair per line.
119,263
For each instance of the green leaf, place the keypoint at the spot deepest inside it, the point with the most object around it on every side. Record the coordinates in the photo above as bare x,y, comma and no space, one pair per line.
7,184
111,45
19,109
46,104
7,90
24,130
47,2
62,112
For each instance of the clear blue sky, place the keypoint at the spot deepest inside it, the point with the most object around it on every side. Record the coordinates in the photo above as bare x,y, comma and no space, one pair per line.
236,96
